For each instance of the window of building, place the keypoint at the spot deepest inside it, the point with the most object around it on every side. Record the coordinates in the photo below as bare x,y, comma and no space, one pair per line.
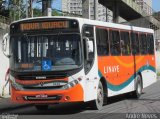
114,43
125,43
102,42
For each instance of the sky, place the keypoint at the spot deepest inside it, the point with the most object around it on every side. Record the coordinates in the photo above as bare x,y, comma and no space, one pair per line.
56,4
156,5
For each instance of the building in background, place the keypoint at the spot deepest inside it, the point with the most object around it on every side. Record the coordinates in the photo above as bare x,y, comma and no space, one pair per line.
146,5
75,7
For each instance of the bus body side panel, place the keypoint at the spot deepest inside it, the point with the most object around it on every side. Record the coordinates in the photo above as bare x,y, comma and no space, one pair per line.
147,68
120,74
91,81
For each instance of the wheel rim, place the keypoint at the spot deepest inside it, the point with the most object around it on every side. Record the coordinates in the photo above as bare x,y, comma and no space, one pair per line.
100,96
139,88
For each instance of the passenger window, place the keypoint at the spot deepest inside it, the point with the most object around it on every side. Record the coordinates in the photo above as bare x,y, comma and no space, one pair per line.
102,42
125,43
150,44
143,44
114,43
135,43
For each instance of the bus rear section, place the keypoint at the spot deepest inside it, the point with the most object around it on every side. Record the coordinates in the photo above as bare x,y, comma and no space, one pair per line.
126,59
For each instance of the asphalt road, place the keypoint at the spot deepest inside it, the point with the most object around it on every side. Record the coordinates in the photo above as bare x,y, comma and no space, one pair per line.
121,107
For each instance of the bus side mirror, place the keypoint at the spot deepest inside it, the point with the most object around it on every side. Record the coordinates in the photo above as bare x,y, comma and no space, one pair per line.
5,45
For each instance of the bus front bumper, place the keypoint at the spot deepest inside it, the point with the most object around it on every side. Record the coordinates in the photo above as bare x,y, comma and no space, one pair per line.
74,94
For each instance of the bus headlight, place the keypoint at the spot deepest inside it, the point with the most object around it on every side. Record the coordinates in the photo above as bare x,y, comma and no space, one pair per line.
14,84
71,84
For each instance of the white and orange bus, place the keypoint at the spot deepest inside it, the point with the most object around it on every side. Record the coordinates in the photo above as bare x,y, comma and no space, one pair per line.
67,59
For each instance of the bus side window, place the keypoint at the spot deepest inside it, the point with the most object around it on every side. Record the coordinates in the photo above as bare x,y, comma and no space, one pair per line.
114,43
143,44
88,32
102,42
135,43
125,43
150,44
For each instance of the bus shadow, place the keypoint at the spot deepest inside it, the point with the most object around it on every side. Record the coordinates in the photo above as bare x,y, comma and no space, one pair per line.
56,109
115,99
67,108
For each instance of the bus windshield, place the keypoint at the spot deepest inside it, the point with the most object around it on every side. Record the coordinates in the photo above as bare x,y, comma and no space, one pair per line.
46,52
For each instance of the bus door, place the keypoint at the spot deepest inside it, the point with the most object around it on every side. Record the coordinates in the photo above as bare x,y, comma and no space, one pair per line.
90,65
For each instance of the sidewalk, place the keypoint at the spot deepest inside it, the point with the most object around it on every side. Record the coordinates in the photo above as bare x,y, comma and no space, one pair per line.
6,105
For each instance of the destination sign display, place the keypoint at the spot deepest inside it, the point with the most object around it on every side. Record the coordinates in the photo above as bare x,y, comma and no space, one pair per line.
44,25
39,26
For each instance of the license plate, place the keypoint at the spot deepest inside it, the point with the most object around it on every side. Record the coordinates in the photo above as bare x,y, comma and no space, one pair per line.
41,96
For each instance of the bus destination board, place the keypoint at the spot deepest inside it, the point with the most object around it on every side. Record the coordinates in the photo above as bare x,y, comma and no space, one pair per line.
44,25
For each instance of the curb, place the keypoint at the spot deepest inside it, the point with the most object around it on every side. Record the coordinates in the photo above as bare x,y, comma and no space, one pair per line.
6,105
5,97
13,107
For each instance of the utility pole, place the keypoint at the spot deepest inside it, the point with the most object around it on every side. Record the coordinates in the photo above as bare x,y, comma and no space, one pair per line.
19,9
26,8
95,9
46,8
30,10
86,9
116,12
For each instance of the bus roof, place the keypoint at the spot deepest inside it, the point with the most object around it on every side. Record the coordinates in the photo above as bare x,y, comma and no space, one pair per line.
97,23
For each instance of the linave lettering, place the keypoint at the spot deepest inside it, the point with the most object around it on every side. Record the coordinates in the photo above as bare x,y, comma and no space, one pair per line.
111,69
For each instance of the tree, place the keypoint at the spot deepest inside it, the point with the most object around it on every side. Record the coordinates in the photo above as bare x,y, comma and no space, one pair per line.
157,15
56,13
37,12
2,4
46,4
4,11
17,9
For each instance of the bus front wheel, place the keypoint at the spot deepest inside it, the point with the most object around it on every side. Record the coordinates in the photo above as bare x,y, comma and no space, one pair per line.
98,103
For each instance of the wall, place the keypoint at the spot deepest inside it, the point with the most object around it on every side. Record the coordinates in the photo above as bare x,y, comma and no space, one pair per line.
158,61
4,64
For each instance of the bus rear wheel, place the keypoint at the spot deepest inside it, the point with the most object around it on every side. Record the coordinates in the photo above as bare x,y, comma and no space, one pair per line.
98,103
138,87
41,107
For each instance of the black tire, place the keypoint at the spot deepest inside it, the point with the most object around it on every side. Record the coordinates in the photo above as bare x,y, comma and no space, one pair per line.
138,87
41,107
98,103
